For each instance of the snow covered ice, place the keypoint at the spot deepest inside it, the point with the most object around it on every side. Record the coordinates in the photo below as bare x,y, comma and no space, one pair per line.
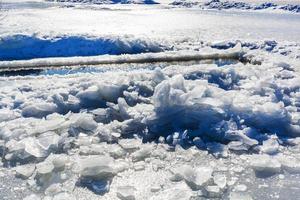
137,100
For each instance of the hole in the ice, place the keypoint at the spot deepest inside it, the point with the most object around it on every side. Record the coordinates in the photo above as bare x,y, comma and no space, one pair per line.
111,67
99,187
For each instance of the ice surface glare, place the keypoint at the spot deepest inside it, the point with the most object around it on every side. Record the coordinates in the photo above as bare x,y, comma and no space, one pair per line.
152,23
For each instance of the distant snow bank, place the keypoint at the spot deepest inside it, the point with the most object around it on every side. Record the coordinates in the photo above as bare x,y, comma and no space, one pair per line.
18,47
106,1
224,4
169,56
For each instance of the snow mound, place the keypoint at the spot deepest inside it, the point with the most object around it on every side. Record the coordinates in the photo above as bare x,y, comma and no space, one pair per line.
16,47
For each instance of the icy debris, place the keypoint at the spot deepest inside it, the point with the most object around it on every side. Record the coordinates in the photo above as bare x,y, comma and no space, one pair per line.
83,140
116,151
217,149
39,110
90,97
130,144
24,171
240,188
141,154
48,141
53,189
44,168
177,192
155,189
126,192
110,92
270,146
196,178
44,174
213,191
157,165
26,148
139,166
220,180
265,165
60,161
121,166
159,153
102,115
6,115
237,146
86,122
238,169
239,196
97,167
53,122
32,197
63,196
289,164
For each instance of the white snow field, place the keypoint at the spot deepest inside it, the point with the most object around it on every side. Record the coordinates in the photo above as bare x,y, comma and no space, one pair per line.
135,100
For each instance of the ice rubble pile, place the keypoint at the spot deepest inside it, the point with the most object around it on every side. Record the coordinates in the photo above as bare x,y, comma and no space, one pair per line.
223,4
16,47
75,127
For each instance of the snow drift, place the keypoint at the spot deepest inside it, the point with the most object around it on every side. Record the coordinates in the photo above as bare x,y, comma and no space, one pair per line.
16,47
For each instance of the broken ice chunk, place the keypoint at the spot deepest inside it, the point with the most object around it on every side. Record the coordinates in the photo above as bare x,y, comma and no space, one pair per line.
289,164
195,178
24,171
126,192
86,122
141,154
116,151
213,191
239,196
264,165
130,144
63,196
39,110
240,188
220,180
237,146
6,115
178,192
44,173
32,197
270,146
59,161
139,166
53,189
97,167
110,92
48,141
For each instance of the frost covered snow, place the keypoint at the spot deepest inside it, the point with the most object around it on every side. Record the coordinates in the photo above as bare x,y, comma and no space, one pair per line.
105,100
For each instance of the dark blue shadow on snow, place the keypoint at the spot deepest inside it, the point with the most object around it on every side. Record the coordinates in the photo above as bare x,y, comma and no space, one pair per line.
18,47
